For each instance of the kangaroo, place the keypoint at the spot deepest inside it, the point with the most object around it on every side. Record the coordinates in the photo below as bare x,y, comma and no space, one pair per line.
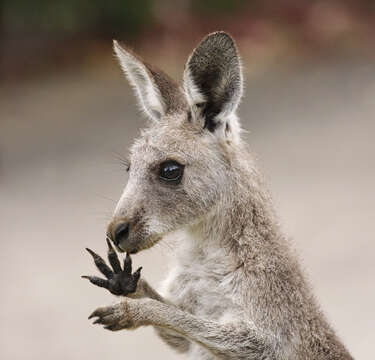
235,289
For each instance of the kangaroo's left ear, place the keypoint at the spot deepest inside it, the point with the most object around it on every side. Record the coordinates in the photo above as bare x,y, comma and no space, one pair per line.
213,83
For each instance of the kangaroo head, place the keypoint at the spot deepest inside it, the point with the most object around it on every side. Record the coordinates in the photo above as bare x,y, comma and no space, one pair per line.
180,166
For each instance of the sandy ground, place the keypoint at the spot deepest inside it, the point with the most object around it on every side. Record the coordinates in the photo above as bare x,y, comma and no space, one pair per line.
312,127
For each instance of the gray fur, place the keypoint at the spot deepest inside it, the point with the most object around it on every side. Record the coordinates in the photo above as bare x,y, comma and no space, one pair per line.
235,290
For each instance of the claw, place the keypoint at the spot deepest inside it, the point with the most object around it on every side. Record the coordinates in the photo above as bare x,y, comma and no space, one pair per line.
110,247
110,327
137,274
97,281
113,259
102,311
94,255
128,264
100,264
93,314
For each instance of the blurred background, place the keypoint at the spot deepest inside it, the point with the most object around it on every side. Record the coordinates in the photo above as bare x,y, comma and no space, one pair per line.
67,115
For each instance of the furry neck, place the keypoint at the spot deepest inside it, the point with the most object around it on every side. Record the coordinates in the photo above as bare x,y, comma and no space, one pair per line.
241,221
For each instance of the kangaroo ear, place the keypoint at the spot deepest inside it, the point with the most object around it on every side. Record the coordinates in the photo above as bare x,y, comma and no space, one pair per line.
213,81
157,93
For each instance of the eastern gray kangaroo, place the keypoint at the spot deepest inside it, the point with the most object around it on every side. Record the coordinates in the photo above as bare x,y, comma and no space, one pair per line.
235,290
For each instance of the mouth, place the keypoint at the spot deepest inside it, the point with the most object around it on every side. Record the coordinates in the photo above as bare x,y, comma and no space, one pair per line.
132,249
129,251
120,249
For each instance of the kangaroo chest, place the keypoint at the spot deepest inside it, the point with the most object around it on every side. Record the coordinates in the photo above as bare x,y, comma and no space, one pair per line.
202,291
202,279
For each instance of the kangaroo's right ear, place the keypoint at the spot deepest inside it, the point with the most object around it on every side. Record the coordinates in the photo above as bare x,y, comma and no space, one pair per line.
213,81
157,93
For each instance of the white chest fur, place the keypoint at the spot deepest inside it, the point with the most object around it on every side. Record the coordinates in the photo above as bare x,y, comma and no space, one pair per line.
202,279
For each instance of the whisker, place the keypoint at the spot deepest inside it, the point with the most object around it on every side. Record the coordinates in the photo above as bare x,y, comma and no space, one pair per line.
104,197
123,161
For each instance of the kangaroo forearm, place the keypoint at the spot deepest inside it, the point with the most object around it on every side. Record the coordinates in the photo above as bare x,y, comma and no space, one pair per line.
144,290
225,341
173,339
170,337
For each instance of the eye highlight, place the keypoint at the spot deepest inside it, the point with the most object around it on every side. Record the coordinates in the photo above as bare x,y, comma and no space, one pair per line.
171,171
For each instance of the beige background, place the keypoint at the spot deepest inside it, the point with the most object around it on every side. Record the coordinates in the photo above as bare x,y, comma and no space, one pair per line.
312,126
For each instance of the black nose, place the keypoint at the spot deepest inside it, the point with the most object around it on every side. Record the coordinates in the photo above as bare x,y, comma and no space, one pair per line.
120,233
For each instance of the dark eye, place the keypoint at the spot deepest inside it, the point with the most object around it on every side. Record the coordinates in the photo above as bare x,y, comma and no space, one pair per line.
171,171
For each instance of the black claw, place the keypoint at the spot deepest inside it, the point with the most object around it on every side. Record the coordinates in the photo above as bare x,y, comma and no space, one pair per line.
110,327
113,258
97,281
95,313
128,264
93,254
101,265
137,274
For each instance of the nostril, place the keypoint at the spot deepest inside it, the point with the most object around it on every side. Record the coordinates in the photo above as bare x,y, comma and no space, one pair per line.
121,233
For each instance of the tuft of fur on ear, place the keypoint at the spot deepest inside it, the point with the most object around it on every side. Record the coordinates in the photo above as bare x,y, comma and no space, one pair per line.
157,93
213,82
